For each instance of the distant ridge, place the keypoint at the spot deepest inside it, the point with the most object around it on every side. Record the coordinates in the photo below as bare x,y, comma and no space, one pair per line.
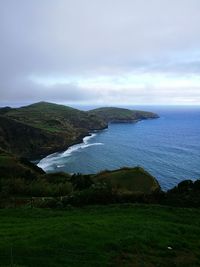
113,114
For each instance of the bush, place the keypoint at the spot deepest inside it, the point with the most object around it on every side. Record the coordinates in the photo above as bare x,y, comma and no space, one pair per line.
92,195
58,177
81,182
47,203
186,194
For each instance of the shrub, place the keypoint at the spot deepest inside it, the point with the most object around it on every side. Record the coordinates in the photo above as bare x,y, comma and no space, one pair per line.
81,182
47,203
92,195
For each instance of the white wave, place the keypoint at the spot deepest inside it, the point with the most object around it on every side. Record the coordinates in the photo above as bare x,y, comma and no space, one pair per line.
60,166
94,144
47,163
85,144
87,138
54,160
70,150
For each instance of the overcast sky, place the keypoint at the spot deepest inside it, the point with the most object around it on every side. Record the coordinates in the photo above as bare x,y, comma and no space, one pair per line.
100,51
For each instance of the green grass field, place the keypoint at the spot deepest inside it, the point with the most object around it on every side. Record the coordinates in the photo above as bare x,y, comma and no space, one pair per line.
121,235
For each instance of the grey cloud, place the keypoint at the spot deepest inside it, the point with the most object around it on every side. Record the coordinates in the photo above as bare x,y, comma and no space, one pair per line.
61,93
94,37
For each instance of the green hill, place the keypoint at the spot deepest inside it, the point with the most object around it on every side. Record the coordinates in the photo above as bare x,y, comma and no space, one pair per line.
129,180
55,118
42,128
112,114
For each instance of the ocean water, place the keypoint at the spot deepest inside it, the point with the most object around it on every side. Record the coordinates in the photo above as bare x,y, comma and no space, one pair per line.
168,147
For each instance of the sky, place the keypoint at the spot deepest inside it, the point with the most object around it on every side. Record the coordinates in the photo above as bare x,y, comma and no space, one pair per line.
100,52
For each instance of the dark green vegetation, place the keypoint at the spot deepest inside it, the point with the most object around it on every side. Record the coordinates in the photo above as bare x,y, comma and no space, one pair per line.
185,194
11,166
20,179
43,128
67,235
128,180
24,184
112,114
55,118
117,235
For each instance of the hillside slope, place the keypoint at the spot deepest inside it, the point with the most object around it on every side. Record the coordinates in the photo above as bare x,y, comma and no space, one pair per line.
12,167
112,114
121,181
43,128
55,118
28,141
129,180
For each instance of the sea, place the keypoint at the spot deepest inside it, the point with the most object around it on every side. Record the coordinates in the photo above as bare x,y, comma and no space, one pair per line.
168,147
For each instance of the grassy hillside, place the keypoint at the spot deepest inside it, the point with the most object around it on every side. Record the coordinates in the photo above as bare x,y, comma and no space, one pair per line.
125,235
20,178
43,128
128,180
112,114
13,167
55,118
25,140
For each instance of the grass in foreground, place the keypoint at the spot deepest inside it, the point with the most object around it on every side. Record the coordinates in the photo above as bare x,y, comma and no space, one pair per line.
121,235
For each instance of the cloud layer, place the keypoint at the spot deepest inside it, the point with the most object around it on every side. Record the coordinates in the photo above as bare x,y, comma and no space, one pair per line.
100,52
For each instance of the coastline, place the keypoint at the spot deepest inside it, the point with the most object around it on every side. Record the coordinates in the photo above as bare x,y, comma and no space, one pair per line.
80,140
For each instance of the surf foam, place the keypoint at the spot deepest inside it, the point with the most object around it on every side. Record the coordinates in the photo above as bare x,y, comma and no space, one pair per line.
55,160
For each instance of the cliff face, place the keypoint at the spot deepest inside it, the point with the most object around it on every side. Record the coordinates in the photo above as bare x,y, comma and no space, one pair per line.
27,141
40,129
12,167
